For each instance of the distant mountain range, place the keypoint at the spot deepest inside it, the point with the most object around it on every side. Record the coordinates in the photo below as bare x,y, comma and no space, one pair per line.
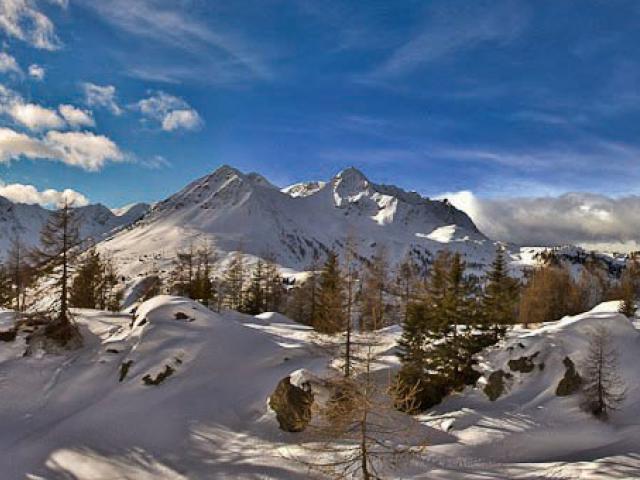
95,221
237,211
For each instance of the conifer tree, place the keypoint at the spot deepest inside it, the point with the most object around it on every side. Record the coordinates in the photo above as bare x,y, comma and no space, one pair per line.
435,351
59,242
374,286
234,282
330,316
500,298
406,285
94,284
274,288
86,286
5,287
603,387
18,269
255,296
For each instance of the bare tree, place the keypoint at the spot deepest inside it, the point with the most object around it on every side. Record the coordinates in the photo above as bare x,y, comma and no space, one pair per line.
358,432
19,271
603,387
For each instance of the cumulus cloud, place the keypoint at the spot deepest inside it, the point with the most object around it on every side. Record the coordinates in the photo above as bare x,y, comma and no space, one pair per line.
173,113
102,96
35,117
23,20
14,145
37,72
574,218
76,117
85,150
20,193
8,64
177,119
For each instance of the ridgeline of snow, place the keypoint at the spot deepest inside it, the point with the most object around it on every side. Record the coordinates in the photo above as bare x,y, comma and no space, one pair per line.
244,212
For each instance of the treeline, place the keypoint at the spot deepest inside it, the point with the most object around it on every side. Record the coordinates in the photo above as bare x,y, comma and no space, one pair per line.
251,289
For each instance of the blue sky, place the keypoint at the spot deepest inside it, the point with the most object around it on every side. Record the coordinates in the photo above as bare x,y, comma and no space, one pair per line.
499,98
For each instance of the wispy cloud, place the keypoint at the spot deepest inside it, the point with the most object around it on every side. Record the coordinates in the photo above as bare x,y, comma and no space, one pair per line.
453,28
22,19
174,28
102,96
8,64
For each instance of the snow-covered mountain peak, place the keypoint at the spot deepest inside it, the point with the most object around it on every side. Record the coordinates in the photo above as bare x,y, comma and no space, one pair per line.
349,186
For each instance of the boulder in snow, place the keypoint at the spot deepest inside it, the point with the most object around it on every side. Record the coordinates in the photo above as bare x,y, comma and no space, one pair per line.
292,405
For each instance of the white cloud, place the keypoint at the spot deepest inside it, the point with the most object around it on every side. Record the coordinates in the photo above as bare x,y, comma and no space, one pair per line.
85,150
574,218
37,72
185,119
35,117
20,193
103,96
14,144
8,64
171,112
22,19
76,117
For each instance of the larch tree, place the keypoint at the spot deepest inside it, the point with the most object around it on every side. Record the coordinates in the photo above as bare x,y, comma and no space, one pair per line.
603,387
234,282
358,432
19,270
406,284
374,287
59,247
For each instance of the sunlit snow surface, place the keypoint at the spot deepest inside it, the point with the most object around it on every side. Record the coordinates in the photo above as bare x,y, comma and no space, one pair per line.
69,417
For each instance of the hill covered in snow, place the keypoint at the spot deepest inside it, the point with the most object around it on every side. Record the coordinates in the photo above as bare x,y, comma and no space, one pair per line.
180,392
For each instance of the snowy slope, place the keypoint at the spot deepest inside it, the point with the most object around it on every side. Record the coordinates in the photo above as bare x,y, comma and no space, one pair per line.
530,430
70,417
27,220
236,211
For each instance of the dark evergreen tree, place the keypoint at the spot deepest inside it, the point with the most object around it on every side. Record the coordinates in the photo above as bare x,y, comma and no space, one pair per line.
330,316
255,295
500,298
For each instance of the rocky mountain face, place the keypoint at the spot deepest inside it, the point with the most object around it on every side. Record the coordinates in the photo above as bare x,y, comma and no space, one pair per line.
235,211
